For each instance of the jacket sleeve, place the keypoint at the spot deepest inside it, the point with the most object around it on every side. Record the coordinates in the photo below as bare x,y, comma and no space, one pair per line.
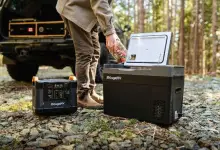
104,15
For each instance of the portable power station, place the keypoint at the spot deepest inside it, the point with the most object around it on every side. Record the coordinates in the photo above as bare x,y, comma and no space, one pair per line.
54,96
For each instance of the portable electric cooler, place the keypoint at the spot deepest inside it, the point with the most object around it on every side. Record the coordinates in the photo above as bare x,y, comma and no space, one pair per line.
54,96
145,87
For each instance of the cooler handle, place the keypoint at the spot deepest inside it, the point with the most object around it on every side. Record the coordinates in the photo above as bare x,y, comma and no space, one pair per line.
126,69
178,90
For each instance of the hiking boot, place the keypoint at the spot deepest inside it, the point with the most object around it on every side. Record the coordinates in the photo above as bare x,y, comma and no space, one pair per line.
88,103
96,97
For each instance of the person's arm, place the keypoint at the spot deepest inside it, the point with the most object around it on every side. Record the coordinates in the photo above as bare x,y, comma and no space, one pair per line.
104,15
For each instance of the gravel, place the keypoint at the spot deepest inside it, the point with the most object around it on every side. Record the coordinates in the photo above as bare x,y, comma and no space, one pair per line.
198,129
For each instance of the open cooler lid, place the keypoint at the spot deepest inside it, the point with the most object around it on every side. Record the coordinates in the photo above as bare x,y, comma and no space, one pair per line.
147,49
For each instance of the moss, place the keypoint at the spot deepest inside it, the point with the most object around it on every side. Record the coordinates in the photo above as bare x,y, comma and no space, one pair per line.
102,124
21,105
177,133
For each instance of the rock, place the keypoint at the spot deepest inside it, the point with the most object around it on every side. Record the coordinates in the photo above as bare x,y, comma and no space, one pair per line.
105,147
34,132
190,144
151,147
55,122
213,148
80,147
204,143
90,141
114,146
10,118
35,143
24,132
44,131
68,127
47,142
30,125
181,148
115,139
156,143
137,141
126,143
54,129
204,148
172,145
64,147
4,124
207,113
51,136
95,147
5,139
71,139
149,140
94,134
164,146
60,131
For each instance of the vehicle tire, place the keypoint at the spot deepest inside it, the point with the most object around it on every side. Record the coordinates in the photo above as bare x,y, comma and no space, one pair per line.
22,72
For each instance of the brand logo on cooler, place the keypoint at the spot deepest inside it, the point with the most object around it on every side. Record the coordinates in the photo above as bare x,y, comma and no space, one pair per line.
113,78
57,104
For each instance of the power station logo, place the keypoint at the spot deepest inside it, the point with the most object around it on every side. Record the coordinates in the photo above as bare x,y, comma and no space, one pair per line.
57,104
113,78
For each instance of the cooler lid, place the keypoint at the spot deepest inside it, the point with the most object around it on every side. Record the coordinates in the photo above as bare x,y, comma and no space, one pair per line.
146,49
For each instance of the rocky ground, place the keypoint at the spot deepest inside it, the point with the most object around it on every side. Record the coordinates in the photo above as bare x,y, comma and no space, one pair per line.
199,128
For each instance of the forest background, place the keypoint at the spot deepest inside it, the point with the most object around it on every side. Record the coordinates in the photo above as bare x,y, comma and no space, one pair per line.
195,26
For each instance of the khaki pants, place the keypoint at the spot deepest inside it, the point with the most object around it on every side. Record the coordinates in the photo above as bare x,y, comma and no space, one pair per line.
87,50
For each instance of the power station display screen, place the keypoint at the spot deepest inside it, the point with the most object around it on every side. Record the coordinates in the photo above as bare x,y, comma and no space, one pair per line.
57,91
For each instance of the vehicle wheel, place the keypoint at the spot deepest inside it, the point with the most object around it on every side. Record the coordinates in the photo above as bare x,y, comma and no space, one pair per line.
22,72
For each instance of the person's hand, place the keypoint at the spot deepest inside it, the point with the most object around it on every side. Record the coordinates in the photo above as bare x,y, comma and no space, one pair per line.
111,42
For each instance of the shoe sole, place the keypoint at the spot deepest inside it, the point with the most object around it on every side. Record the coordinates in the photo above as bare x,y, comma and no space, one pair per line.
89,107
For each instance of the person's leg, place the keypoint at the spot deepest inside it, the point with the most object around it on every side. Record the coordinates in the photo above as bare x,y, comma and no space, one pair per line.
84,51
93,65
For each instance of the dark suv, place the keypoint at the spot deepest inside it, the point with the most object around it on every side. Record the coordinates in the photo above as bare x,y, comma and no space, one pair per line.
33,34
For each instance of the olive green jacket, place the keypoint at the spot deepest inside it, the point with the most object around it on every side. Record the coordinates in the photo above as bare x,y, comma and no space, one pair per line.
86,13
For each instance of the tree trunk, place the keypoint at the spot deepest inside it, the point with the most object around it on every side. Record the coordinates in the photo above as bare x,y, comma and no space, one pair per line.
141,14
169,14
196,40
174,34
202,69
214,36
181,46
135,17
129,13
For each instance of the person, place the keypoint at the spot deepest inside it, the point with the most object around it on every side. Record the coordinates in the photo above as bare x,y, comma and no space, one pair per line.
82,18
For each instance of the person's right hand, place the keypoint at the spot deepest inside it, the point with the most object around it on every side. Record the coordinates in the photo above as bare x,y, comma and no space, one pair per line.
111,42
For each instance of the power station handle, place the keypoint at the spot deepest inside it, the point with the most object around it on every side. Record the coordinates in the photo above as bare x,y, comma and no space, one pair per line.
178,90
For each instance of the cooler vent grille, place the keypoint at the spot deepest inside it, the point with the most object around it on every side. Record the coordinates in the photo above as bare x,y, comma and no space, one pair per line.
159,109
